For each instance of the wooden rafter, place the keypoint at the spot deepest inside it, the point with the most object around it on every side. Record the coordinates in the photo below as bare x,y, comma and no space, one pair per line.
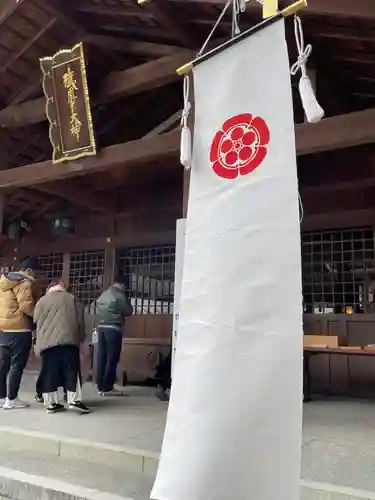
7,8
164,13
16,55
75,194
131,81
165,125
131,46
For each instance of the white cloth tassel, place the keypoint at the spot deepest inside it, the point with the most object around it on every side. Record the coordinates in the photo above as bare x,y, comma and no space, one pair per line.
313,111
185,151
186,143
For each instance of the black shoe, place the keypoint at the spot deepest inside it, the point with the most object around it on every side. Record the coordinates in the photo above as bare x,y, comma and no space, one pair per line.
79,407
39,399
161,394
55,408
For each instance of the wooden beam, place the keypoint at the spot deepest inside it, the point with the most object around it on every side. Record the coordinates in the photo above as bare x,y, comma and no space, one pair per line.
338,132
143,77
131,81
122,11
344,131
356,184
125,155
342,8
131,46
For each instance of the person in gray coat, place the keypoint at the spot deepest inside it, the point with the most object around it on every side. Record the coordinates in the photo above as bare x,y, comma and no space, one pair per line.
112,309
59,332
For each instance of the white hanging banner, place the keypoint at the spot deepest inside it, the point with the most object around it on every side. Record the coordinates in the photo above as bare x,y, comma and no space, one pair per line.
234,422
179,262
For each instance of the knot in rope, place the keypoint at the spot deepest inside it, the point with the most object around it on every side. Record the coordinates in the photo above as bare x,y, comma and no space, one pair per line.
303,52
187,103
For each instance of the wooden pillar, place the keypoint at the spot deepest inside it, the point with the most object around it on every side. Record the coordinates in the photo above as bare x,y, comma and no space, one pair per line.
110,265
66,269
5,157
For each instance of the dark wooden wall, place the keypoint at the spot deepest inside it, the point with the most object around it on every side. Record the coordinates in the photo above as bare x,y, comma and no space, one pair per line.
150,222
339,374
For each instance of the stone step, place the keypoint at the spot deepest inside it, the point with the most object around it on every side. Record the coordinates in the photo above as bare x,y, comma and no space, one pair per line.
25,475
32,462
311,490
136,461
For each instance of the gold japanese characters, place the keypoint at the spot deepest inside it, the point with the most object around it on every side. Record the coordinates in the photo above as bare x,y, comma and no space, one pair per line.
70,84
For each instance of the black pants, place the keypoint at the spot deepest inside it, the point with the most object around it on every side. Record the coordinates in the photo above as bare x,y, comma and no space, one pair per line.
60,367
163,372
108,355
39,385
14,353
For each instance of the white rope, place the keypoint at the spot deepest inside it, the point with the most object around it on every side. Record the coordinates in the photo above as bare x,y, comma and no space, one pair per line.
187,103
238,7
301,213
303,52
219,19
313,111
186,141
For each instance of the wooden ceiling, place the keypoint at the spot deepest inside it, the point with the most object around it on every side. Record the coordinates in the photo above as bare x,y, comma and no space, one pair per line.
131,53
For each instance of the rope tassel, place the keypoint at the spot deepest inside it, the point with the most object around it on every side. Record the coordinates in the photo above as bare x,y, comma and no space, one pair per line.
313,111
186,142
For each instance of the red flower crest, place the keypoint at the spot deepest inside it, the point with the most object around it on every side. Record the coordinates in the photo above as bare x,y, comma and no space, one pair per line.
239,147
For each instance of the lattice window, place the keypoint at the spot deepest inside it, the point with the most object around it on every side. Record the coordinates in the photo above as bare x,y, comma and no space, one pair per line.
51,267
150,274
6,269
87,275
338,268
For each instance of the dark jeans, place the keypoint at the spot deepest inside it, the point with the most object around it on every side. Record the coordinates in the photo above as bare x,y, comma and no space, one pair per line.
108,355
14,353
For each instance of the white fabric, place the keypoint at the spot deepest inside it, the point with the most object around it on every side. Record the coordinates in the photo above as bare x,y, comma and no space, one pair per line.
56,288
73,397
51,398
234,422
179,262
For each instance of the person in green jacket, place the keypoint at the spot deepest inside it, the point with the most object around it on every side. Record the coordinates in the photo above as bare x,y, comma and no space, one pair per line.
112,309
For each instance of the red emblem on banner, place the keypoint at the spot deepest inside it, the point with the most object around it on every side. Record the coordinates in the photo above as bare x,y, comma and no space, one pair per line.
239,147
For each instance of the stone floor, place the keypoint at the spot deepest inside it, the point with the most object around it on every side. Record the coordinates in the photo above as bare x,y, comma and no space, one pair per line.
338,435
339,443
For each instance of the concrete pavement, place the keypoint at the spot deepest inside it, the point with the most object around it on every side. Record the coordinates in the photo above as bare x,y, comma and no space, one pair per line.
124,435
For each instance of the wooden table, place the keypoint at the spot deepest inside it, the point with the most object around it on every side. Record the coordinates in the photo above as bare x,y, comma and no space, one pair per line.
313,351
